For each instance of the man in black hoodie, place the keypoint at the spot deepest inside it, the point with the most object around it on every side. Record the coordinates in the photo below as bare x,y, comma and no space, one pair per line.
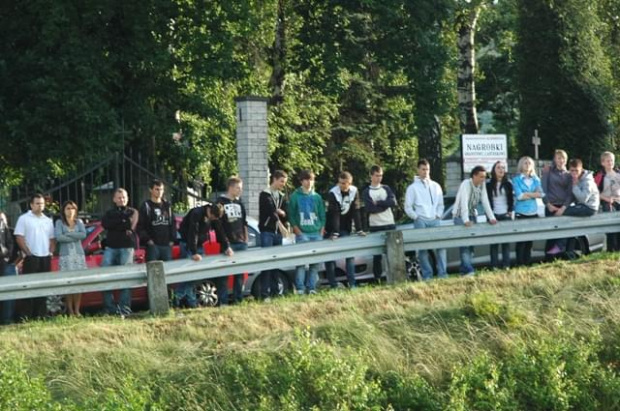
343,211
272,208
156,225
195,230
120,222
235,224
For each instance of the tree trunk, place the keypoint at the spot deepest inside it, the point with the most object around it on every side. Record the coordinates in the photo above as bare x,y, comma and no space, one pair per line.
278,56
430,149
466,85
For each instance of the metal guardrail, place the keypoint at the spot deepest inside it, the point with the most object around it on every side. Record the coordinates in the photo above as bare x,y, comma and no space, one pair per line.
393,243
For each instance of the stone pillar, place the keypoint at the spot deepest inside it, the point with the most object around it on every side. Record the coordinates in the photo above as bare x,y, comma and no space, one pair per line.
252,156
395,251
157,288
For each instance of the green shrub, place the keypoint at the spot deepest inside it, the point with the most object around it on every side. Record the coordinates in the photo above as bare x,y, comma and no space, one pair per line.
305,374
550,372
20,391
128,395
482,305
480,386
409,392
485,306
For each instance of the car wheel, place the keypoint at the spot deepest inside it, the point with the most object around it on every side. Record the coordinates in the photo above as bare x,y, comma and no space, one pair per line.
55,305
583,245
206,294
283,285
414,271
581,248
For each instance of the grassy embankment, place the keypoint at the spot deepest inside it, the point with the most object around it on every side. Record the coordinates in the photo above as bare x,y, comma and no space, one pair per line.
541,338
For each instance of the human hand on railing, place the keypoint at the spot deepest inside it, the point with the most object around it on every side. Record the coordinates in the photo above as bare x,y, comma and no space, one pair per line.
493,221
229,252
196,257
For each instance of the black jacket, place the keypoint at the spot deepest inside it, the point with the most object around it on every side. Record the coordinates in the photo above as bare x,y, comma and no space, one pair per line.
336,221
234,220
507,186
117,222
156,223
195,229
267,206
6,242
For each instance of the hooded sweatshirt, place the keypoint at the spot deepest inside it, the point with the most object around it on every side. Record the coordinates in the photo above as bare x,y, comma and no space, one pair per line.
307,211
234,220
586,191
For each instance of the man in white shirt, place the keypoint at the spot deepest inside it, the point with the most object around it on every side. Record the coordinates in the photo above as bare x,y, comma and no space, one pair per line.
471,193
34,234
424,205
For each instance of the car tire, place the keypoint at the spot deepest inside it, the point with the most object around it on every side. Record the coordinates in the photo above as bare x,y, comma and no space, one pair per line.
206,294
55,305
285,286
413,268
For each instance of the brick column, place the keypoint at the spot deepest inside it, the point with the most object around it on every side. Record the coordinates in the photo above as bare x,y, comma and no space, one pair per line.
252,156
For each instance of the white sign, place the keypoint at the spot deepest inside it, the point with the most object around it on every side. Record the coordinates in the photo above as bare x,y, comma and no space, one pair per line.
483,150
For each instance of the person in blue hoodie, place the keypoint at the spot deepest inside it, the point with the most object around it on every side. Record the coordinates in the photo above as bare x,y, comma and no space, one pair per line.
307,217
527,188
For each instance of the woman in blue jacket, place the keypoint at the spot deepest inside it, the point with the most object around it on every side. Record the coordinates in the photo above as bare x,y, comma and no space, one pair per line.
527,188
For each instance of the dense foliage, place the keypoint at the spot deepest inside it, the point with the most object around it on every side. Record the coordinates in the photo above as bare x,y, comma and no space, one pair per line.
350,83
565,78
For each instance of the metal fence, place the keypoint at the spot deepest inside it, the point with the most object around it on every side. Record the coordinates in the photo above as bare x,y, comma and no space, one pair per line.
93,185
393,244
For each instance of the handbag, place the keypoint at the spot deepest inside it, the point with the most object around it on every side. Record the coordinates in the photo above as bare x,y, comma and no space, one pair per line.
282,229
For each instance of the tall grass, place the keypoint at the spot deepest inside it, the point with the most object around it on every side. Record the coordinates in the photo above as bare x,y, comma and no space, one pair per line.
539,338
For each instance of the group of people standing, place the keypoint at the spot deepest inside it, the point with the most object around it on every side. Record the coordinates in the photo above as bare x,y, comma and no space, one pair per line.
153,226
570,191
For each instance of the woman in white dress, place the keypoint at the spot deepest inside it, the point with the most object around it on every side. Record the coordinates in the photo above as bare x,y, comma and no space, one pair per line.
70,232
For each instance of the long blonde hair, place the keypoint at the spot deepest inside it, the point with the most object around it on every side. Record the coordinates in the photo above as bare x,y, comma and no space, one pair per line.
521,166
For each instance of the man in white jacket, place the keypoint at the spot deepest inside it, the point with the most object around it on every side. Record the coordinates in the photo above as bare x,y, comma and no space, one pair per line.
471,193
424,205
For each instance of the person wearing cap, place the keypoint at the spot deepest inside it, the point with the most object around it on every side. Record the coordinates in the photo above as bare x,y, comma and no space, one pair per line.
195,230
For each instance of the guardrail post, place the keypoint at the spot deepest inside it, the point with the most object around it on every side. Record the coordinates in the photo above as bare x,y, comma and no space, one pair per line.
396,269
157,288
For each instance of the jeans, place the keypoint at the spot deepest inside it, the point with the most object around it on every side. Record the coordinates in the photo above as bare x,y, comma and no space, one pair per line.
423,256
222,282
577,210
186,290
467,253
524,248
505,248
8,306
35,307
307,280
377,260
156,252
117,256
268,279
613,239
330,268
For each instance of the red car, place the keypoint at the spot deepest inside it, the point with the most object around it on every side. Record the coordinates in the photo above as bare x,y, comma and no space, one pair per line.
93,246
